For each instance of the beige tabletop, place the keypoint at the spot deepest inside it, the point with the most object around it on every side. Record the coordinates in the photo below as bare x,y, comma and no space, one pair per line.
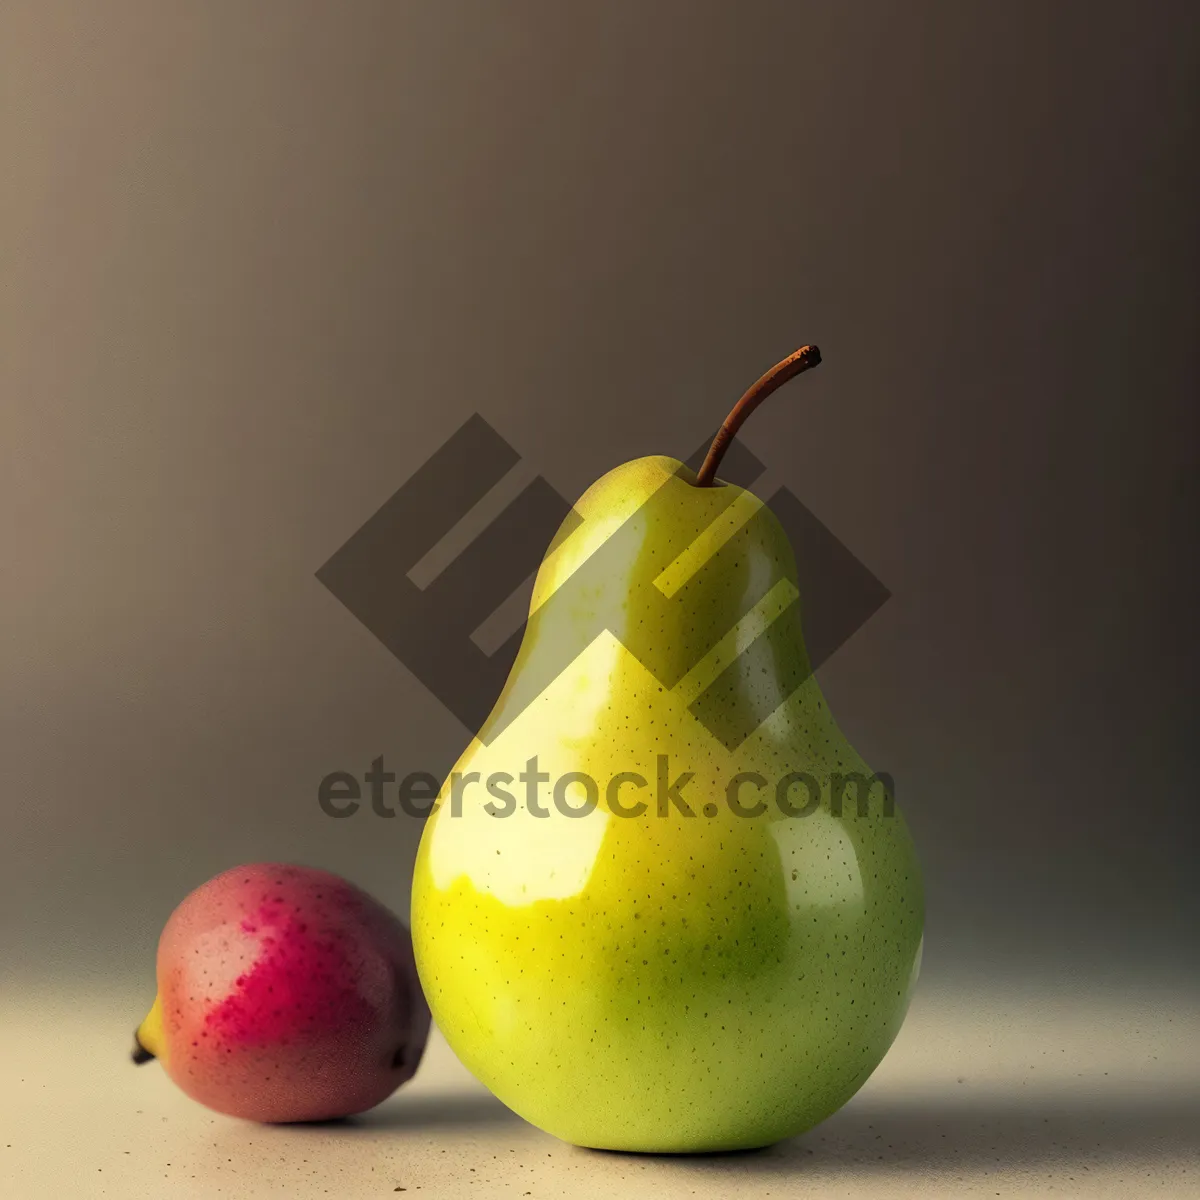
1021,1094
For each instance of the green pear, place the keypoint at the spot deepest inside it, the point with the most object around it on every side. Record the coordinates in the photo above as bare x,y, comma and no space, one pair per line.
649,911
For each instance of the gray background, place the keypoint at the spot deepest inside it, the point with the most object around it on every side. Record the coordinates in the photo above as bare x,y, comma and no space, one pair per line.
259,261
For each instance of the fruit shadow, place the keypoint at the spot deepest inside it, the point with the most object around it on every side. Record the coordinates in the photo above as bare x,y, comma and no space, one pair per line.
435,1111
944,1134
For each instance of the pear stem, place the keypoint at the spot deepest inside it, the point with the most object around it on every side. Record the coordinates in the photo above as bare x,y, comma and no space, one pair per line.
802,360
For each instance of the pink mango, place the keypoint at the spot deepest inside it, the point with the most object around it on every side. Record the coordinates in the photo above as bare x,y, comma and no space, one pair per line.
285,994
